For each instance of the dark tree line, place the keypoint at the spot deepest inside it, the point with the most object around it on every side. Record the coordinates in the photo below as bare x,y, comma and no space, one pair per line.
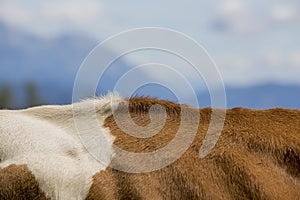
8,98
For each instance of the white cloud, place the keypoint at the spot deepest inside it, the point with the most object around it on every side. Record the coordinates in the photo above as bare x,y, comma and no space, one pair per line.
271,59
234,68
279,65
238,16
284,13
294,59
287,62
14,13
73,11
269,65
231,8
48,17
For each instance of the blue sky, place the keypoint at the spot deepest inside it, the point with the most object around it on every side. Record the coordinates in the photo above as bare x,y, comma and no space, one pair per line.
250,41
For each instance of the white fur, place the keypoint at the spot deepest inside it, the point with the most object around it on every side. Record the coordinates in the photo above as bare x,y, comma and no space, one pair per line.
51,148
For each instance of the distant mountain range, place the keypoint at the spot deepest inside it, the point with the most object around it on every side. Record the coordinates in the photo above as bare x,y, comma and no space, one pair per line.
270,95
51,64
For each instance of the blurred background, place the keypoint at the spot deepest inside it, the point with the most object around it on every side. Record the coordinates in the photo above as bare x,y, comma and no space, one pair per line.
255,44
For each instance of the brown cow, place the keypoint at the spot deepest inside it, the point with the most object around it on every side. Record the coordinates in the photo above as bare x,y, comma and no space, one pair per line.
256,157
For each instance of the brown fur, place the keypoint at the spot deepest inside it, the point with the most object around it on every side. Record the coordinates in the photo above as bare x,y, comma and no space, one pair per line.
256,157
17,182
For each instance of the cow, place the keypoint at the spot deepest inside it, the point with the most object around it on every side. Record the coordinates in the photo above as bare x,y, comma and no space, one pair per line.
42,155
